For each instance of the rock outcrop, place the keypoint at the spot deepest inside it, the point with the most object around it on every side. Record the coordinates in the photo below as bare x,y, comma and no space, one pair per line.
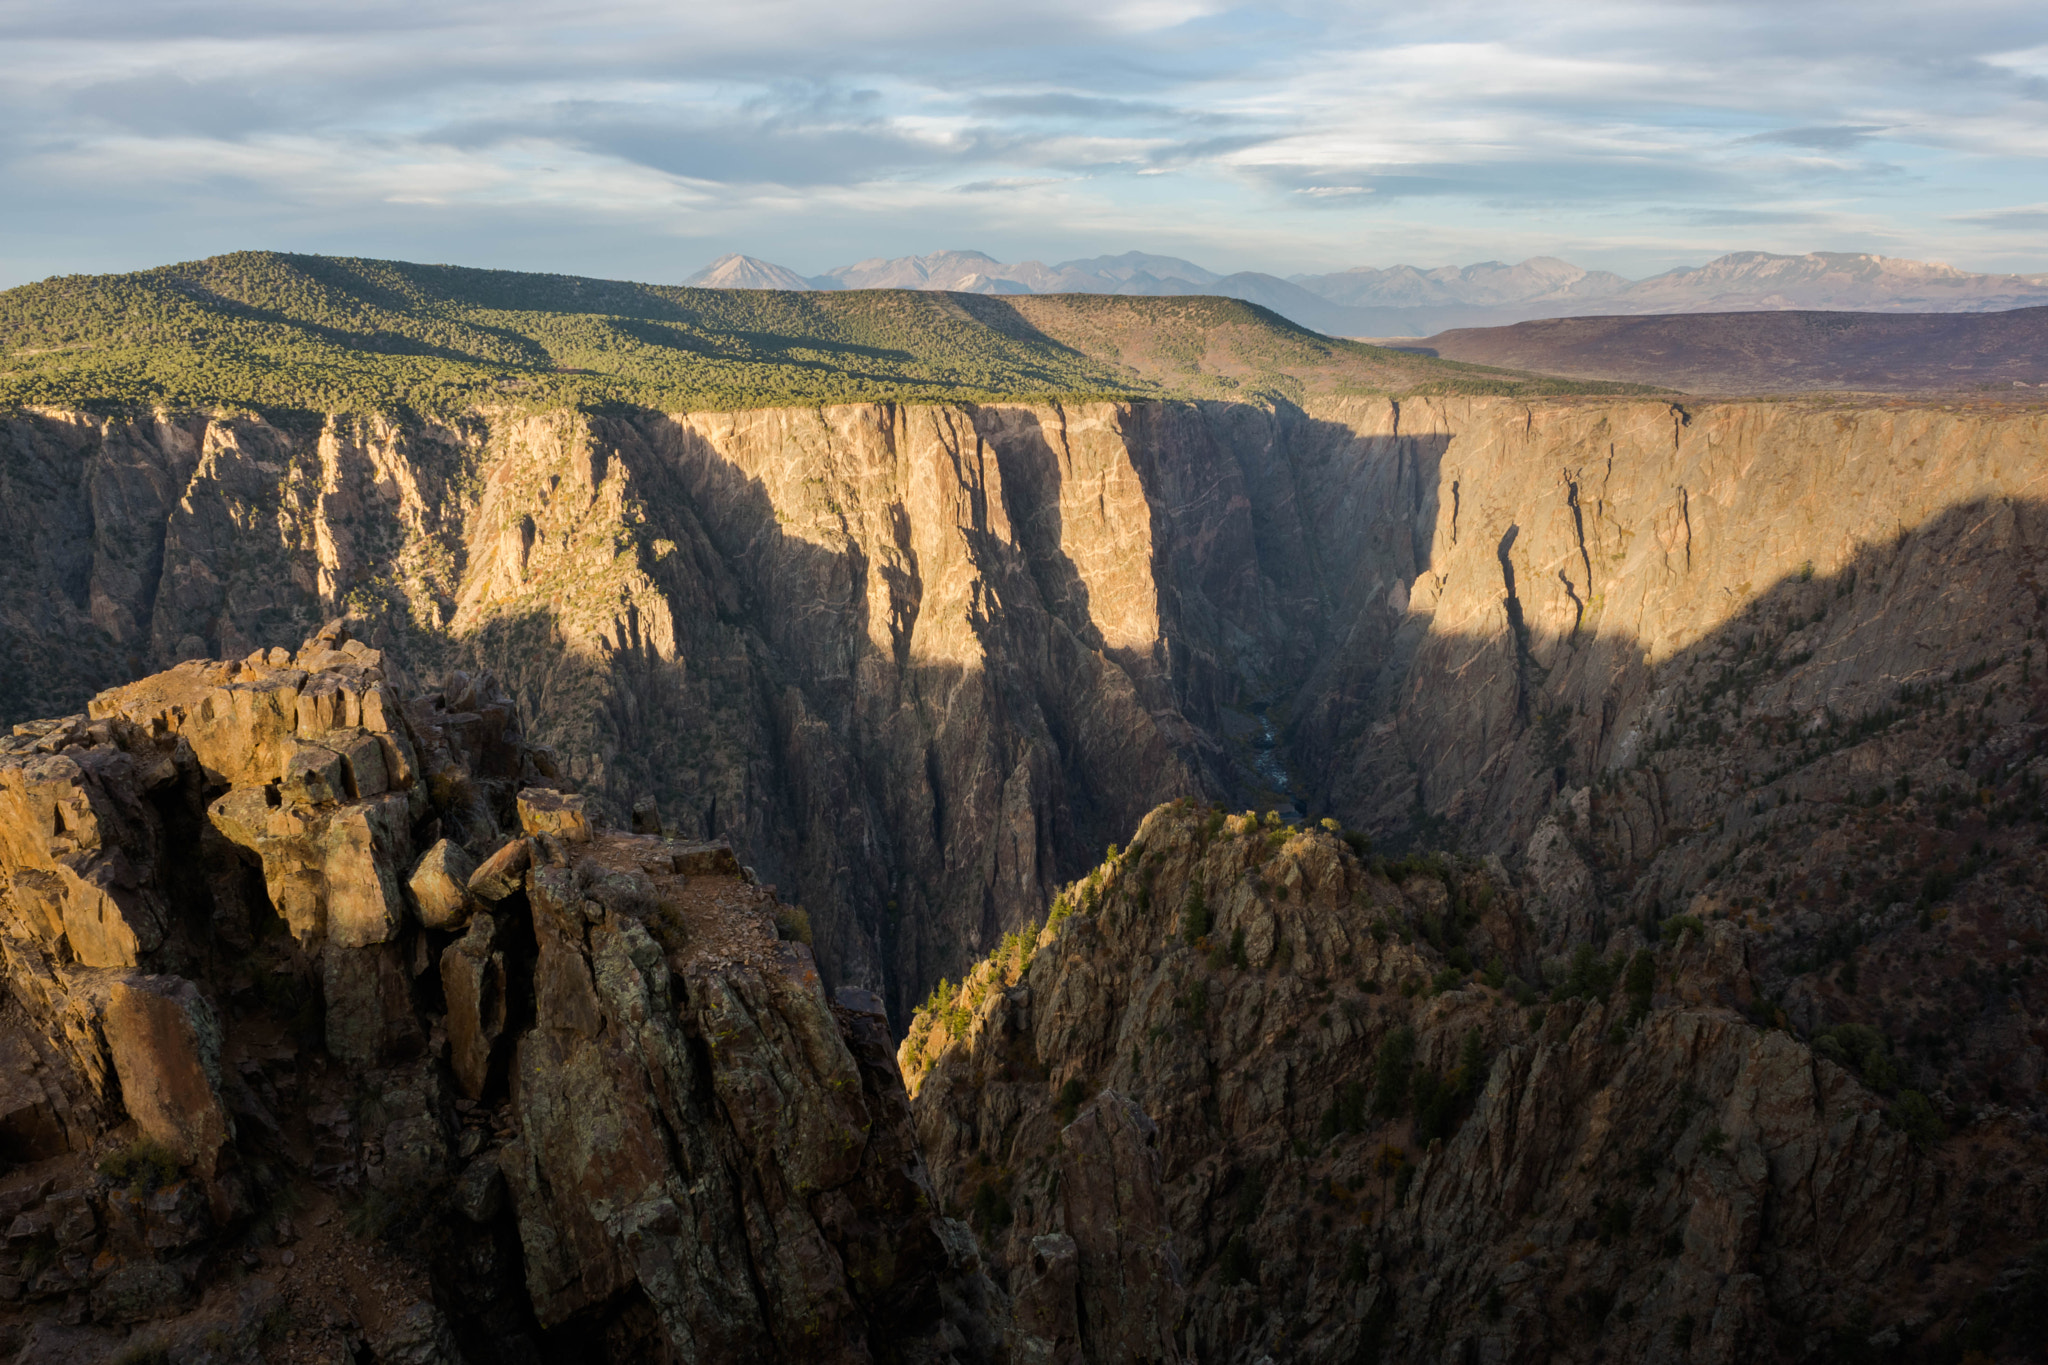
333,1026
1250,1094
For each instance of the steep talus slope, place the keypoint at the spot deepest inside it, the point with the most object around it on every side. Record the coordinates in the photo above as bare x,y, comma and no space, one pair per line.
334,1035
1246,1097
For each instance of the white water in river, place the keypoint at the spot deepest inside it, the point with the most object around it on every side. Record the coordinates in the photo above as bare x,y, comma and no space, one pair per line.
1266,759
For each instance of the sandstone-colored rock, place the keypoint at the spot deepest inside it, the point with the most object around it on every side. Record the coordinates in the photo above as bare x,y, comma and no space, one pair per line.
703,860
239,722
542,811
361,850
313,774
362,756
503,873
166,1040
476,986
78,846
333,872
330,699
440,885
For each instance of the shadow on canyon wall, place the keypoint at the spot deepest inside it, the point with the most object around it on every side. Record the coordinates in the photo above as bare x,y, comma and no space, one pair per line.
1817,687
988,654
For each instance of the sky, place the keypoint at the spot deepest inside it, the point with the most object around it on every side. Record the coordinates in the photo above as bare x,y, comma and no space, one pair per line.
641,140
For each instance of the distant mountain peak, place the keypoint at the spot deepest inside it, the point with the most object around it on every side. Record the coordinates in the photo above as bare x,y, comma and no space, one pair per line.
734,271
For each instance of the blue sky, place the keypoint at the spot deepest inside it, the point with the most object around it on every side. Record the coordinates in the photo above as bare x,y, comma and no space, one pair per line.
640,140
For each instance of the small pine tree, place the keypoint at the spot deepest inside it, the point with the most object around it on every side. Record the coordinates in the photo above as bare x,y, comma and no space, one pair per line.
1194,917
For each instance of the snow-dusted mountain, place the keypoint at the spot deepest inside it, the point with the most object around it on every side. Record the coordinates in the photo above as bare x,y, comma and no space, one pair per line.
735,271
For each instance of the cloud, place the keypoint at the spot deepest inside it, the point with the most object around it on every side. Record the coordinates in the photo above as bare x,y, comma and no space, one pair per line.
1838,138
2020,216
1311,135
1009,183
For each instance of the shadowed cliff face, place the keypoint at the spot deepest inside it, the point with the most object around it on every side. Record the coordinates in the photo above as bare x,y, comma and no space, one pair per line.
918,662
922,663
1249,1093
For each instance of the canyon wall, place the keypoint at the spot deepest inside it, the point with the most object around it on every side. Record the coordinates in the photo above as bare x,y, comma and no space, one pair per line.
1246,1097
922,663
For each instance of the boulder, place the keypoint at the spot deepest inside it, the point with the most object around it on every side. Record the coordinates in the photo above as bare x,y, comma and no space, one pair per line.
704,860
363,769
359,856
330,872
77,850
239,720
473,980
166,1040
312,775
330,700
545,811
503,873
440,885
646,816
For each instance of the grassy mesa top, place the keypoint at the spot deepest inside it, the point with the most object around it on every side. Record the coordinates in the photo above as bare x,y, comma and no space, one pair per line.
274,332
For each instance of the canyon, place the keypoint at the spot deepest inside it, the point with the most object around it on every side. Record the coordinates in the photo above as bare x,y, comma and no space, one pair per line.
631,883
922,662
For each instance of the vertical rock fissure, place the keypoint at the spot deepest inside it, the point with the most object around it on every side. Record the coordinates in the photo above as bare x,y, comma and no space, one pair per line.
1685,520
1571,497
1578,606
1517,626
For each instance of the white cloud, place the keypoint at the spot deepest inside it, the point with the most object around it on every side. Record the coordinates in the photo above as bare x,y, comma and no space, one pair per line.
1315,134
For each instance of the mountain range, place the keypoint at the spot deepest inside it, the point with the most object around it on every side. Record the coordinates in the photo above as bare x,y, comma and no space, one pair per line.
1404,300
